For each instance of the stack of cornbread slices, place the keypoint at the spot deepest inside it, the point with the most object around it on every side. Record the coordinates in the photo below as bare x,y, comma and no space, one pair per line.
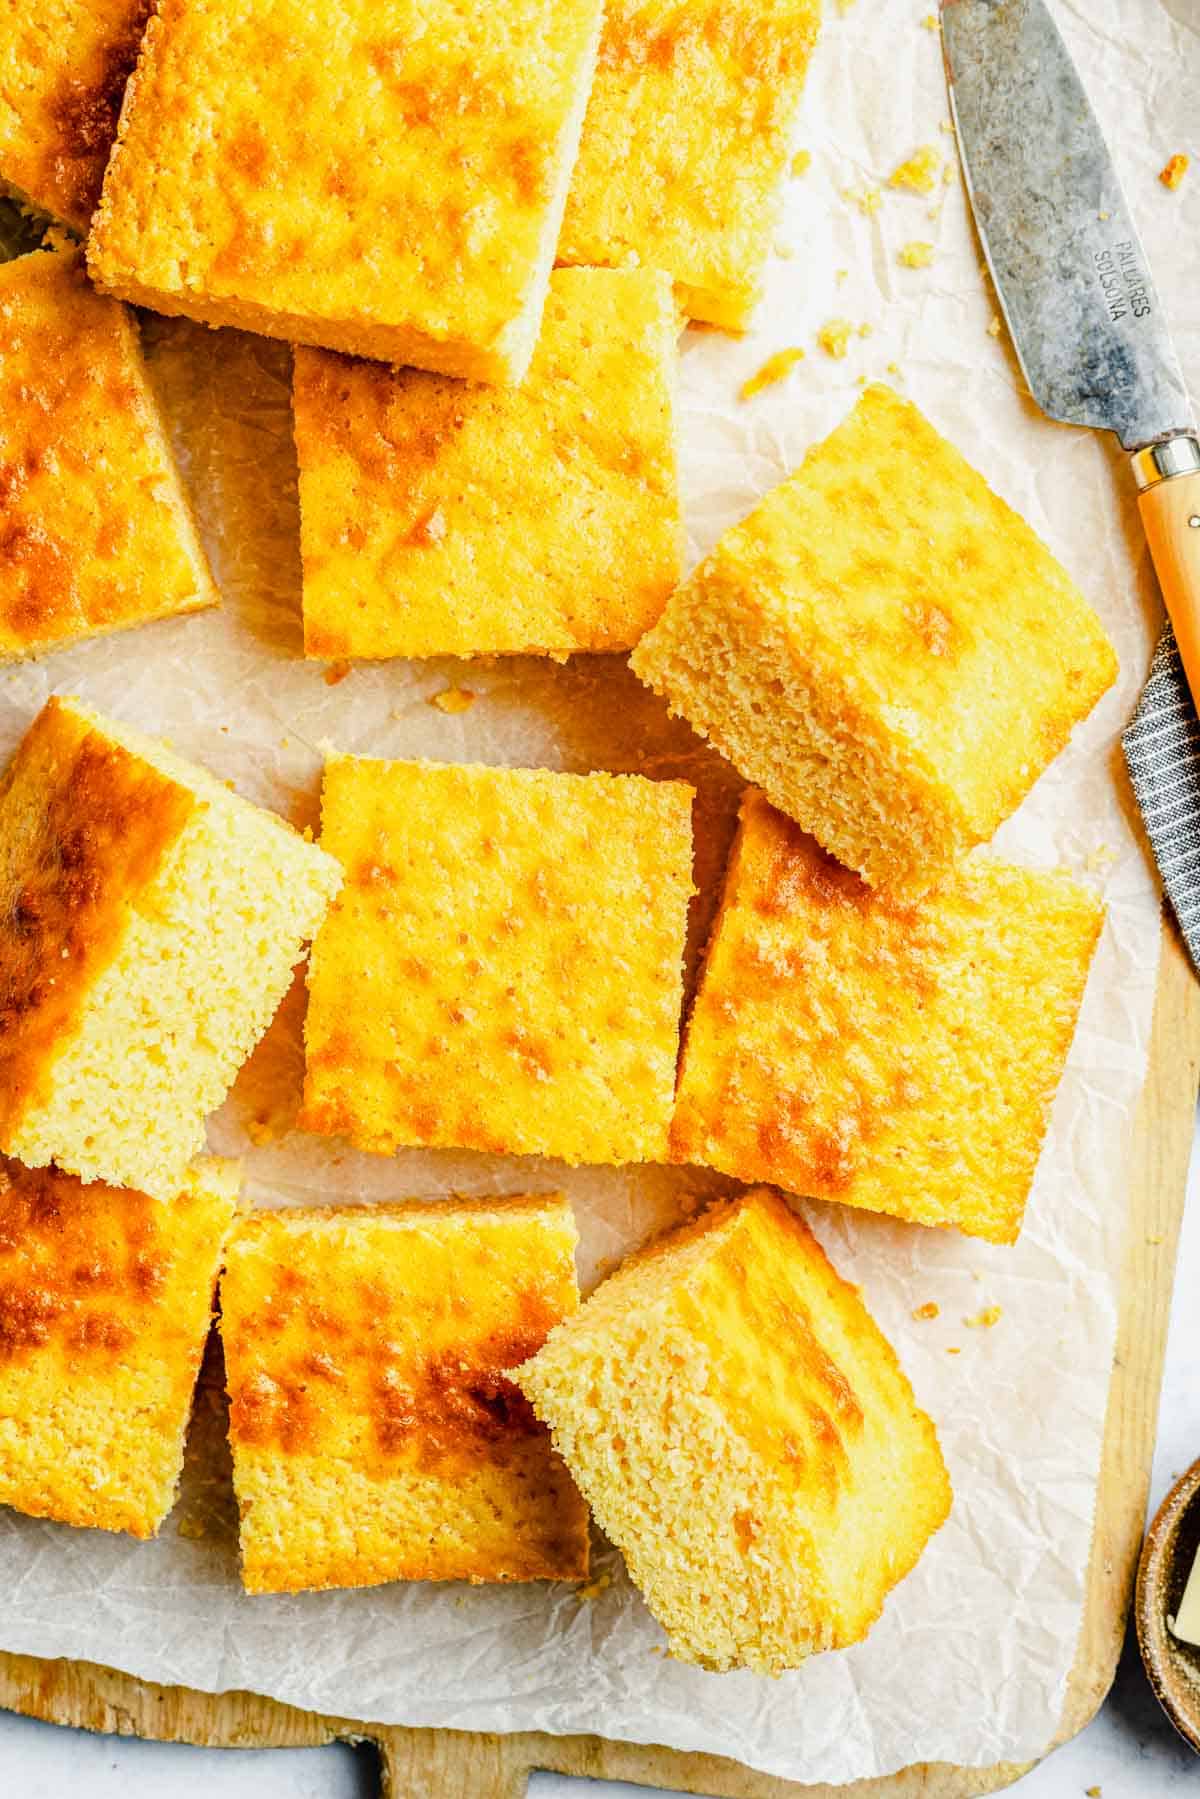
487,463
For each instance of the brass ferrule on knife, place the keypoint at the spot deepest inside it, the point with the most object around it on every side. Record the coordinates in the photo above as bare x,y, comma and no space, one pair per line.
1163,461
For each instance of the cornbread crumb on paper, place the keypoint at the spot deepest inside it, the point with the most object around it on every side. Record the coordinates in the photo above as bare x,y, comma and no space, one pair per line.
994,326
192,1529
930,1309
834,337
867,199
802,162
336,673
920,173
1175,170
453,699
1100,860
930,21
916,255
953,1349
592,1589
984,1320
776,368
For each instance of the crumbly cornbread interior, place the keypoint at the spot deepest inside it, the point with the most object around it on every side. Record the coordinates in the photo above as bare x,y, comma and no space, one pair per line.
98,533
411,211
898,1056
884,648
684,144
503,968
63,69
105,1302
376,1433
745,1435
438,518
150,920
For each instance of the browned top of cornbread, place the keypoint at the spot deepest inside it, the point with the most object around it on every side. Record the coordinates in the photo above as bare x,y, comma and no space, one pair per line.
63,69
368,1352
684,142
84,826
440,518
380,162
105,1300
891,1054
95,533
503,967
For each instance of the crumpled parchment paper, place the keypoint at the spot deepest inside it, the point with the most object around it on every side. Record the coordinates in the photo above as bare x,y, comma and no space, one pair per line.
970,1660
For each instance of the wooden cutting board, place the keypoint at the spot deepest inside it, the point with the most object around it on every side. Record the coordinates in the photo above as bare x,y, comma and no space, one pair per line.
429,1764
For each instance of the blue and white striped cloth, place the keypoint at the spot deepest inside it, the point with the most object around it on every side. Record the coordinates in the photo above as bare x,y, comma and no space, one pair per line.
1162,750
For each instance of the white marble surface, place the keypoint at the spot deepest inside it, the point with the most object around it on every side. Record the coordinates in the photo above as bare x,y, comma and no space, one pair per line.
1129,1751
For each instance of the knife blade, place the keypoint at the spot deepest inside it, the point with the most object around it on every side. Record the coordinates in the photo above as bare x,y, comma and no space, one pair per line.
1070,272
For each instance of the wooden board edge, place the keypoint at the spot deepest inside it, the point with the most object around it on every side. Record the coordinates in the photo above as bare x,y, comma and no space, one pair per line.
427,1764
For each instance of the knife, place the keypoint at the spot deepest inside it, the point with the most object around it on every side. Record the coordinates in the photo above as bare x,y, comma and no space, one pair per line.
1071,275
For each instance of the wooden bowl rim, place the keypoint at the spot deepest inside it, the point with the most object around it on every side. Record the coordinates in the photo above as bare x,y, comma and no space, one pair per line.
1179,1698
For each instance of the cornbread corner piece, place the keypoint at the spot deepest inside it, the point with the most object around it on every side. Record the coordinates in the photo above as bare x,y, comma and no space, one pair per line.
376,1435
95,530
686,142
503,968
901,1057
746,1437
106,1297
884,648
410,214
149,923
63,69
440,519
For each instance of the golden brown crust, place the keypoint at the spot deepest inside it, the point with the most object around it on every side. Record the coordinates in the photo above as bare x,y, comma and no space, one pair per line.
685,140
412,204
64,66
84,826
105,1302
439,518
368,1351
95,532
839,1036
493,1016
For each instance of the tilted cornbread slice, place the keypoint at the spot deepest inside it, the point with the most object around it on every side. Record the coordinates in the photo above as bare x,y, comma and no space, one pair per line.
63,69
149,923
746,1437
884,648
440,519
95,531
105,1302
503,969
686,137
376,1435
897,1056
383,177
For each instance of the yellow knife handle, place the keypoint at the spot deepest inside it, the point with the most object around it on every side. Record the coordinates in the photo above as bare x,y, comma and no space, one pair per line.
1168,475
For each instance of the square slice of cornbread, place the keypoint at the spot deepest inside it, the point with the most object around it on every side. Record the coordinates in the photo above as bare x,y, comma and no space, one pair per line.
503,968
106,1297
150,920
376,1434
687,134
746,1437
438,518
884,648
382,177
899,1056
95,530
63,69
